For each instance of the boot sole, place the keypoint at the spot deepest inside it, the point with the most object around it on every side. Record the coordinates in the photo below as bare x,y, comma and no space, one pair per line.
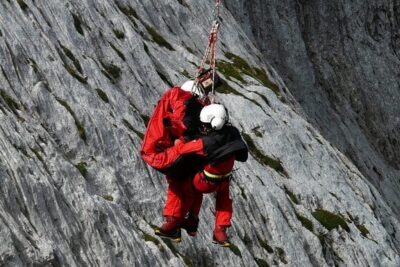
224,244
192,234
157,232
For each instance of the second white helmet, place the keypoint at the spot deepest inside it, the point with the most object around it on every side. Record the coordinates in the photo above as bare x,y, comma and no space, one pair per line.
215,114
189,86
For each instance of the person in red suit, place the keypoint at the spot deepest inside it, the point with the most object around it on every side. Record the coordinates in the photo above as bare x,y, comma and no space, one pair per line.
222,146
170,139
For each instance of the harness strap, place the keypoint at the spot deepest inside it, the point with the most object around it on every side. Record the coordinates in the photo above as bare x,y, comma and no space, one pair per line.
216,177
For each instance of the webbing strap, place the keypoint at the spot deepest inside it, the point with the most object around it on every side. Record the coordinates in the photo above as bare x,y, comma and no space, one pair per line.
210,50
215,177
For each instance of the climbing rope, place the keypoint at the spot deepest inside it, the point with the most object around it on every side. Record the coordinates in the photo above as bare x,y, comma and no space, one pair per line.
210,51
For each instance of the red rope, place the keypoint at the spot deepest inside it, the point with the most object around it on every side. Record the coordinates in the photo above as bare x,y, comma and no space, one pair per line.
211,47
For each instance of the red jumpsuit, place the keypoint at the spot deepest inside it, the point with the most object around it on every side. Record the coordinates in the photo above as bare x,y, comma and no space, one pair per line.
159,150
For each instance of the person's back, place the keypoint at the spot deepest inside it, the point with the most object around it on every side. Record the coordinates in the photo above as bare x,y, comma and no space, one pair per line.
170,121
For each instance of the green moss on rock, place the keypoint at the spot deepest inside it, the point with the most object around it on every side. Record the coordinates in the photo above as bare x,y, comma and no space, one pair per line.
364,231
10,102
186,74
74,74
235,250
186,260
262,158
239,66
128,11
183,3
71,56
82,168
119,53
169,244
151,238
264,244
256,131
229,70
157,38
113,71
305,222
146,49
119,34
145,119
330,220
281,254
102,95
261,262
77,24
22,4
108,198
292,196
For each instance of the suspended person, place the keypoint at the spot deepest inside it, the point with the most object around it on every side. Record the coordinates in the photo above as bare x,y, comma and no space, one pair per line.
223,145
176,117
169,141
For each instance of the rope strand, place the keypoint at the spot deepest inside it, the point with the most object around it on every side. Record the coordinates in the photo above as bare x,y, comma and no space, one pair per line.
210,51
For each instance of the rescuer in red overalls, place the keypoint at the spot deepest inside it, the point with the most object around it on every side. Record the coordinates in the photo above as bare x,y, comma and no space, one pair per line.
169,138
223,144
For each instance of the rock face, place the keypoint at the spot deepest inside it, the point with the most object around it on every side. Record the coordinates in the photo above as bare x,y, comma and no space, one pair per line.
79,79
341,61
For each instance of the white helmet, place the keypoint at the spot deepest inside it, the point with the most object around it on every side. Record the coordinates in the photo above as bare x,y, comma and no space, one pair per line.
215,114
189,86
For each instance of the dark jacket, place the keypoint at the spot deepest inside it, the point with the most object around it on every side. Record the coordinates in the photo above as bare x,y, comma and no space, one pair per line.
218,145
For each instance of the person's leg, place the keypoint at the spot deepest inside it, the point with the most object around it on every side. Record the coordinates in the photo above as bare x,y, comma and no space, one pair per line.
223,214
175,196
173,212
191,222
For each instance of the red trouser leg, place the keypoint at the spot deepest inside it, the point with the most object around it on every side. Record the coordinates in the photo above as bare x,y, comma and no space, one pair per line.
223,214
180,196
223,209
196,202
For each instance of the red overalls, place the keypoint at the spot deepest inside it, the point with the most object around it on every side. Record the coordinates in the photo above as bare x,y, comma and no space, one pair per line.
159,150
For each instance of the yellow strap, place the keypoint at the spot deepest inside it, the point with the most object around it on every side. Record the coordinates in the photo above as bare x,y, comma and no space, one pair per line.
216,176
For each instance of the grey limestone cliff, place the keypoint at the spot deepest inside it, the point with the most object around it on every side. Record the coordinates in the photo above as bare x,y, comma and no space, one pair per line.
312,86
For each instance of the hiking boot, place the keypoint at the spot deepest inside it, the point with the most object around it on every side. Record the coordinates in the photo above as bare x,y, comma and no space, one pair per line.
190,224
170,229
220,237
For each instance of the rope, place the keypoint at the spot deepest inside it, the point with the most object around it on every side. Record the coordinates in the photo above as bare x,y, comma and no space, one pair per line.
210,50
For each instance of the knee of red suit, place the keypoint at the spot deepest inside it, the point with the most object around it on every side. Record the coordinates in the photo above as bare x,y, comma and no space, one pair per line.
202,185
